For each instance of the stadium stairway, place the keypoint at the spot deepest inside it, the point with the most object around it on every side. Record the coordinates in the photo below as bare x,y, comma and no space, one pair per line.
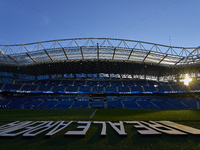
65,88
184,104
105,104
20,106
89,104
170,104
2,87
55,104
21,87
72,104
138,104
37,88
39,104
123,104
154,104
9,103
51,88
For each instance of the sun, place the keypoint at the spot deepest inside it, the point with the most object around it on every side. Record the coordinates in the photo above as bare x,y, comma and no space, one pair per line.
186,80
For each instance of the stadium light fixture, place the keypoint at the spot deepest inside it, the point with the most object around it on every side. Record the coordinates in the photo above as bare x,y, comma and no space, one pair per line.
186,80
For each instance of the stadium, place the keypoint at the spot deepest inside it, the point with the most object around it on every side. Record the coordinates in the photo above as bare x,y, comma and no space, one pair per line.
101,79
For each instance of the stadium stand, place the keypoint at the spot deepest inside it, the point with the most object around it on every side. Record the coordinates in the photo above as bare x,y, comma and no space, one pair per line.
58,88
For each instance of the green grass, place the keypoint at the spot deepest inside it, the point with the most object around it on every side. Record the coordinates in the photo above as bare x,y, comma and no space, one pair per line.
101,114
93,140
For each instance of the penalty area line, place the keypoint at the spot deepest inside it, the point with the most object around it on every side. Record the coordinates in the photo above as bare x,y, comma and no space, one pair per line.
93,113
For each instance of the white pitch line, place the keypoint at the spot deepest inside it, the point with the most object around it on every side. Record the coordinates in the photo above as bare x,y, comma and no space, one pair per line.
93,113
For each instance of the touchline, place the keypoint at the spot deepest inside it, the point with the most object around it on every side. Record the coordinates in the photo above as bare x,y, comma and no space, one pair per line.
150,128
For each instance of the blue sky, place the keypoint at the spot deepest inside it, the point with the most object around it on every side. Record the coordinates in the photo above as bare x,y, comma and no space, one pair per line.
145,20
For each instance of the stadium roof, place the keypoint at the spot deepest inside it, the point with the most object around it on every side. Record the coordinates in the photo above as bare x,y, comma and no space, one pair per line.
97,55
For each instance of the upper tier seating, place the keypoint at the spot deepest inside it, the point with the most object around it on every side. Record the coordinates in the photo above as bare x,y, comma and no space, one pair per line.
140,82
12,86
110,88
54,82
149,88
124,88
94,83
115,83
97,89
71,88
136,88
85,88
44,87
58,88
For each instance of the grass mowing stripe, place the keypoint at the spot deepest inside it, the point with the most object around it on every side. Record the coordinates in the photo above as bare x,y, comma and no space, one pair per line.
93,113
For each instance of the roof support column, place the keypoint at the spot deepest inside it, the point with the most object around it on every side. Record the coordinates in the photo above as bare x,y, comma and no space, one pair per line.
97,51
158,78
36,78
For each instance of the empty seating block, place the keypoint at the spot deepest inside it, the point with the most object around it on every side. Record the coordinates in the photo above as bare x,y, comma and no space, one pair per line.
71,88
25,88
44,88
94,83
110,89
12,86
124,88
136,88
41,82
128,83
6,101
104,82
99,104
54,82
179,87
146,104
191,103
131,105
67,82
176,103
115,83
152,82
16,102
47,105
114,104
140,82
29,88
85,88
77,82
58,88
80,104
149,88
63,105
97,89
162,88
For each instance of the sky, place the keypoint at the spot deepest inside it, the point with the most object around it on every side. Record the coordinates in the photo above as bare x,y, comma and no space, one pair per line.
168,22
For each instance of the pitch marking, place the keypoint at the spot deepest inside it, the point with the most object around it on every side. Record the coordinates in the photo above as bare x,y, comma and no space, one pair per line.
93,113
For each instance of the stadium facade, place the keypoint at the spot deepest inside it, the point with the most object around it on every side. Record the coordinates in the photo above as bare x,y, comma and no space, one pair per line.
98,72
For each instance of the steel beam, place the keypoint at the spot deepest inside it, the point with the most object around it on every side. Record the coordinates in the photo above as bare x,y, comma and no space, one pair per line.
31,57
65,53
131,52
146,56
48,55
82,53
114,53
98,51
179,61
13,59
163,58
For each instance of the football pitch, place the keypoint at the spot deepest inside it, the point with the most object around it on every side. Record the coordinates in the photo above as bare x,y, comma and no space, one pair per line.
93,138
